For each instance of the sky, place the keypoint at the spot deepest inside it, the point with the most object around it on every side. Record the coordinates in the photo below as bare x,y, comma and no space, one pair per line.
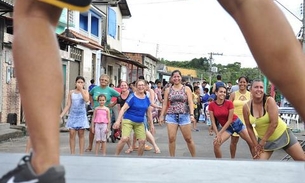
180,30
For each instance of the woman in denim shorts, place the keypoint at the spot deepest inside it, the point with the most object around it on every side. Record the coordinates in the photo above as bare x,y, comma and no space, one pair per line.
223,110
178,104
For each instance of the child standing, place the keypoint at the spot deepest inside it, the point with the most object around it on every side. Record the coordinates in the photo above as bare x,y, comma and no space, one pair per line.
77,121
207,114
101,124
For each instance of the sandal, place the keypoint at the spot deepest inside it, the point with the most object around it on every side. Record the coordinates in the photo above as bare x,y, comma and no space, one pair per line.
147,148
128,151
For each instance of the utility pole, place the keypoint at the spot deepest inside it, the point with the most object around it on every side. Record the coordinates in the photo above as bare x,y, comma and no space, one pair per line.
211,62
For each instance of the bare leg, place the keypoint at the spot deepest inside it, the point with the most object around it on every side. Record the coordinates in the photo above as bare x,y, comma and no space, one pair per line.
97,147
245,135
120,145
187,135
91,138
34,33
150,138
104,144
282,61
217,146
172,135
233,146
296,152
72,140
141,147
81,138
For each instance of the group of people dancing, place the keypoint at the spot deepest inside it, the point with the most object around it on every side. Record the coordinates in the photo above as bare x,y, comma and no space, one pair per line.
252,115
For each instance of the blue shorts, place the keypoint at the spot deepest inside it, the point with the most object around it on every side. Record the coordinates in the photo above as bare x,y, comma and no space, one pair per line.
237,126
179,119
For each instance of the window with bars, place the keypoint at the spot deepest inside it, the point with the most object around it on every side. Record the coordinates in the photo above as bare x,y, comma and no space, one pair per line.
76,53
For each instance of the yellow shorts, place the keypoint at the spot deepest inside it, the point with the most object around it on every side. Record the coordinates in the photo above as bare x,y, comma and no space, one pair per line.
138,128
79,5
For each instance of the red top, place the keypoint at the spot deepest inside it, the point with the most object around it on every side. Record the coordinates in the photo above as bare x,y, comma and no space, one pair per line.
221,112
113,99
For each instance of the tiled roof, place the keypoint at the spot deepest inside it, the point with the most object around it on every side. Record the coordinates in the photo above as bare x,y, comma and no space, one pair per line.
92,44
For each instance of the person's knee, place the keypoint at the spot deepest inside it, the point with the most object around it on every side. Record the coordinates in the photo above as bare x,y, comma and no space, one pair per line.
172,139
125,139
188,140
234,141
141,142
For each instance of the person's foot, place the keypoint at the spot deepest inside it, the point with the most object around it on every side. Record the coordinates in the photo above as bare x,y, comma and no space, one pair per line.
157,150
25,173
88,149
128,151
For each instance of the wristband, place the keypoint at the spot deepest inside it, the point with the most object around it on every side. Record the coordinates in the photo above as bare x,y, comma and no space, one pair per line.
191,114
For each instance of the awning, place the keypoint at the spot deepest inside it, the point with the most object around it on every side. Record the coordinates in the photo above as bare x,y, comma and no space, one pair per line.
126,60
82,40
6,6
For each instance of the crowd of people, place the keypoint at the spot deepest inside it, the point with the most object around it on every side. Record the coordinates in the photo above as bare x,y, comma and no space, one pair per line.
181,105
282,61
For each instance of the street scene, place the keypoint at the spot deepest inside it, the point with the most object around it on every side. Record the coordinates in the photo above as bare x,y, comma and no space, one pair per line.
202,139
103,73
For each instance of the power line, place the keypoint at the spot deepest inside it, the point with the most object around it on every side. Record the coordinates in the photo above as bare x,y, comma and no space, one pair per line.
288,10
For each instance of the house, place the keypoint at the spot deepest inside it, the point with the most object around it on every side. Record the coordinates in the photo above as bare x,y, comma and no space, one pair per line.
149,61
90,45
9,93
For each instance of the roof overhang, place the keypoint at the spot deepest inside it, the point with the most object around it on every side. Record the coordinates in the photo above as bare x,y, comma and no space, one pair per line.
6,6
126,60
82,40
124,9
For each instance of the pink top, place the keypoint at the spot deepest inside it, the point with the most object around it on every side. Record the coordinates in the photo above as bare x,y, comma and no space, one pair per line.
101,116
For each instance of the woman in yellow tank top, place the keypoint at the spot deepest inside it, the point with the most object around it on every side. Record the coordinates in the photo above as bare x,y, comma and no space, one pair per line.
239,98
261,113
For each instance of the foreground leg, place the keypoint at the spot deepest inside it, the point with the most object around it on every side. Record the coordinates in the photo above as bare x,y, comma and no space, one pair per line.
34,24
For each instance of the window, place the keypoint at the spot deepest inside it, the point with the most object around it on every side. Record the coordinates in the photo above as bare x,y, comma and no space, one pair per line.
83,22
94,25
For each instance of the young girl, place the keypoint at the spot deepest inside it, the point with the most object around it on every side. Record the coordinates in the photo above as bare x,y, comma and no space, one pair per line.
101,124
77,121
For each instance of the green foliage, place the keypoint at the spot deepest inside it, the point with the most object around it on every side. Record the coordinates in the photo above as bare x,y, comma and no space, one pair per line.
229,72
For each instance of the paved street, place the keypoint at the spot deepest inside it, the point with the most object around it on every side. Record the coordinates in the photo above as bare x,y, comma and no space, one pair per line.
202,140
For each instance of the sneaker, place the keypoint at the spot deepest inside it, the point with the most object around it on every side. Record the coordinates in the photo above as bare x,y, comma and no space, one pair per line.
25,173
